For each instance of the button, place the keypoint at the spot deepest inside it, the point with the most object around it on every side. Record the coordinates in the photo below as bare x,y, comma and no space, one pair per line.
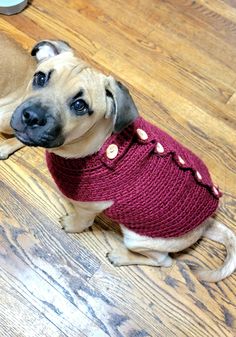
215,191
142,134
160,148
112,151
199,176
181,161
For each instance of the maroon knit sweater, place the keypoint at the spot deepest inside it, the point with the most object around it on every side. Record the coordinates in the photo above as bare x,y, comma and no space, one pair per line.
159,188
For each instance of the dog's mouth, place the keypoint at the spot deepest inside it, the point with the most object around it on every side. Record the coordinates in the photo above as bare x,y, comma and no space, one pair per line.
24,138
44,140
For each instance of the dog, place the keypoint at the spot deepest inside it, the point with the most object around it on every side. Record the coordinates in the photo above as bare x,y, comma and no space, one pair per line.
104,157
17,68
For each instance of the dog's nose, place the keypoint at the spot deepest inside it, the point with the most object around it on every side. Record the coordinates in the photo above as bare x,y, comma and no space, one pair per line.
33,118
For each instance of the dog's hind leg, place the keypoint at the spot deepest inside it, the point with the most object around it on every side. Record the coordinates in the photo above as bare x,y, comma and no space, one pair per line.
124,257
9,146
137,250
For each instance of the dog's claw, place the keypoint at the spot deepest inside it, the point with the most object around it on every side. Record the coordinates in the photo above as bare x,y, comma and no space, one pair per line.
114,258
67,222
70,223
61,221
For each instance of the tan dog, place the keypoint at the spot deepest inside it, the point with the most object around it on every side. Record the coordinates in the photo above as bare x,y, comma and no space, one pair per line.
17,68
72,109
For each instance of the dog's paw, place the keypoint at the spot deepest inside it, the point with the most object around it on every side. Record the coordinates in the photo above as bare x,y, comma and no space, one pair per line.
5,151
115,258
71,223
68,223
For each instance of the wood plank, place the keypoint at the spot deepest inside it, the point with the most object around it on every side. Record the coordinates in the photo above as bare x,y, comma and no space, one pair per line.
17,314
216,23
64,281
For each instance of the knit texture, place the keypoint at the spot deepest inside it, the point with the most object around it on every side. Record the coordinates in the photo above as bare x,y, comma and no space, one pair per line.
155,194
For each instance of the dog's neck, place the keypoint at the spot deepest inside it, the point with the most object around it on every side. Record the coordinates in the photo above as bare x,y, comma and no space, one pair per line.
89,143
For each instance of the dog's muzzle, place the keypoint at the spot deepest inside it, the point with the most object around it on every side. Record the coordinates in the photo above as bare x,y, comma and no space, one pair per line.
34,125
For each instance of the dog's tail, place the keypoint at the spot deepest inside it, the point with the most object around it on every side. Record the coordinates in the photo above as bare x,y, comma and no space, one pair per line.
220,233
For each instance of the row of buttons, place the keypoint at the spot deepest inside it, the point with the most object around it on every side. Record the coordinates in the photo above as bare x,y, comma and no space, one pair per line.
112,152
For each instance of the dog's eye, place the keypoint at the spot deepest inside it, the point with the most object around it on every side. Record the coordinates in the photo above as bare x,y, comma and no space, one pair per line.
40,79
80,107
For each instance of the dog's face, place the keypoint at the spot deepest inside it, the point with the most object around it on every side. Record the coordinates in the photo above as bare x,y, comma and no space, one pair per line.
66,98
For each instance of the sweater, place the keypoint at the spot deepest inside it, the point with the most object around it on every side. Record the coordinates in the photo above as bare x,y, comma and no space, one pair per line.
159,188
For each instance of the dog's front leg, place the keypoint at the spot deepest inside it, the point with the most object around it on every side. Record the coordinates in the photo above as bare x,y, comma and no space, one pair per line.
9,146
83,215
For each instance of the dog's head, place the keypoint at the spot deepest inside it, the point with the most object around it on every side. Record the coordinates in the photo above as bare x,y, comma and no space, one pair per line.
66,98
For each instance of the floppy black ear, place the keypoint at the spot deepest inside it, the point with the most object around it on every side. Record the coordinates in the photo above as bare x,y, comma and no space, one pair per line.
121,107
49,48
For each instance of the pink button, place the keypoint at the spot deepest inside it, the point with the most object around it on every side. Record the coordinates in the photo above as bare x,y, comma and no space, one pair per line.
181,161
199,176
112,151
215,191
160,148
142,134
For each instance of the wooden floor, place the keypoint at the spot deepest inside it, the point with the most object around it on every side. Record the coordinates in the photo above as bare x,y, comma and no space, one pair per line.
178,57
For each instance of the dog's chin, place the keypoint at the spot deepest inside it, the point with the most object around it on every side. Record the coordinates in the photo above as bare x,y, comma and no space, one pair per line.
45,141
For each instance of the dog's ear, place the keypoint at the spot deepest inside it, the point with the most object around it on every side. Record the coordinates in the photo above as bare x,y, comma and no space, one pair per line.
120,105
49,48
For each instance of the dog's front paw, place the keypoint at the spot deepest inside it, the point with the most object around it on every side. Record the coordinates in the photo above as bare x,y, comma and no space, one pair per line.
115,257
5,151
68,223
71,223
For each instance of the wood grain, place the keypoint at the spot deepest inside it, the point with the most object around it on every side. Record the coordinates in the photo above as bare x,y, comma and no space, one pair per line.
178,60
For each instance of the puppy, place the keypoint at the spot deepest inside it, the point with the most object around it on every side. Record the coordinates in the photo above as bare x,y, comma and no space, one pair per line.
105,158
17,68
